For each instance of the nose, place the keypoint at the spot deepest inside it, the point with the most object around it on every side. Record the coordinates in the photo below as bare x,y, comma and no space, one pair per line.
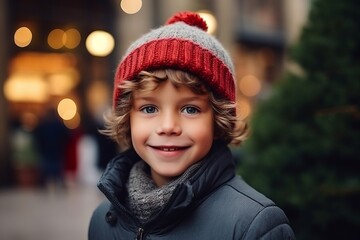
169,124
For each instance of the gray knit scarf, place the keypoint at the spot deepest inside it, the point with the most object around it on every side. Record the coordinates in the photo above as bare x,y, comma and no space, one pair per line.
146,199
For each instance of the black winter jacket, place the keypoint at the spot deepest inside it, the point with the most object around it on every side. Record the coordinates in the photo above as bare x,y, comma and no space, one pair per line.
212,204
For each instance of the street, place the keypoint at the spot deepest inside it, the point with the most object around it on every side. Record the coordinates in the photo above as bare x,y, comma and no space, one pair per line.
51,214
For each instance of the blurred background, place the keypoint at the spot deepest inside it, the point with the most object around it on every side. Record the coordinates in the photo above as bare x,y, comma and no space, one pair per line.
297,71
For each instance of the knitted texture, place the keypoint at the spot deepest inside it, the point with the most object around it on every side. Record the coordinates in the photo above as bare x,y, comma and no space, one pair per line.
144,198
182,44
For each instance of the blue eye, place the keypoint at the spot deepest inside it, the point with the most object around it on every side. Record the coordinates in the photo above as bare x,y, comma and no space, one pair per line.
190,110
148,109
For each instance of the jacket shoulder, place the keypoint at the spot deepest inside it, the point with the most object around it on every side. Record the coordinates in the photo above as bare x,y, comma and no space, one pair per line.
99,228
242,188
261,218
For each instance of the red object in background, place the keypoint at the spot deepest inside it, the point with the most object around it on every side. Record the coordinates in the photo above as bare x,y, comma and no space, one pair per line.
71,157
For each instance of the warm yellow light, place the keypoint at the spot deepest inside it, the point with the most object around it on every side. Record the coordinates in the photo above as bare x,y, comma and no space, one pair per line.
243,108
22,37
100,43
71,38
26,87
250,85
56,38
210,21
42,63
131,6
74,122
67,109
97,96
62,82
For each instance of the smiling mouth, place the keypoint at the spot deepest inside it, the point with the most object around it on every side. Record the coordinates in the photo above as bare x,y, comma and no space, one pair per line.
169,148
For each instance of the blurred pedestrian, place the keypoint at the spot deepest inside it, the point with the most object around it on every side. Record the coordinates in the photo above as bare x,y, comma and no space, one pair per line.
174,109
25,156
51,136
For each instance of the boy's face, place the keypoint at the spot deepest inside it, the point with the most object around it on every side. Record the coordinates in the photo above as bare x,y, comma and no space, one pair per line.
171,129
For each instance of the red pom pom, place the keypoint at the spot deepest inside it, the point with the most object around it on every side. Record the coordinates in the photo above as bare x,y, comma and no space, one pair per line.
190,18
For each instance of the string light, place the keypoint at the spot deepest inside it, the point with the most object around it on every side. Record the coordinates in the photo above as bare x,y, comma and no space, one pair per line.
100,43
22,37
71,38
131,6
56,38
67,109
250,85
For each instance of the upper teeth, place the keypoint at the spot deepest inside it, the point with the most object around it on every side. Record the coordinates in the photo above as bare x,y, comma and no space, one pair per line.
169,149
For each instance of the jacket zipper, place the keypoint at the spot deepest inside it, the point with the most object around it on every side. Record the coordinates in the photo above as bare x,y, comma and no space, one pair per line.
140,234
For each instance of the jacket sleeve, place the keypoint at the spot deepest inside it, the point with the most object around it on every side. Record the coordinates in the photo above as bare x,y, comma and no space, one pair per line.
270,223
99,229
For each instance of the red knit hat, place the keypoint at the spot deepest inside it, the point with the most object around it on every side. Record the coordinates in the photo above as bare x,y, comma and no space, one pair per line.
181,44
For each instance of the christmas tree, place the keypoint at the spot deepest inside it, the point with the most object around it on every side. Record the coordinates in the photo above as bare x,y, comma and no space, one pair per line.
304,147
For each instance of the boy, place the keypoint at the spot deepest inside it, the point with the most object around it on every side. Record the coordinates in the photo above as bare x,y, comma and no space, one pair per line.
173,109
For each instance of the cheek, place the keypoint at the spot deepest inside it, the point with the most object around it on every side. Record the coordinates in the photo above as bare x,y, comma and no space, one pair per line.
137,129
202,131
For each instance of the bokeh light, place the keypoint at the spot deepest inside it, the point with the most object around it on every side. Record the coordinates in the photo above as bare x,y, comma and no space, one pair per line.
74,122
62,82
56,38
22,37
26,87
131,6
250,85
67,109
210,21
100,43
71,38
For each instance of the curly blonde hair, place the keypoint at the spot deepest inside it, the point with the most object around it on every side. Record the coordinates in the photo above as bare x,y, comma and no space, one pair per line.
117,123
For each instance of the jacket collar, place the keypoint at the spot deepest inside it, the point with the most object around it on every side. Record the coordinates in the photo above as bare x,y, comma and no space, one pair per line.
216,168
